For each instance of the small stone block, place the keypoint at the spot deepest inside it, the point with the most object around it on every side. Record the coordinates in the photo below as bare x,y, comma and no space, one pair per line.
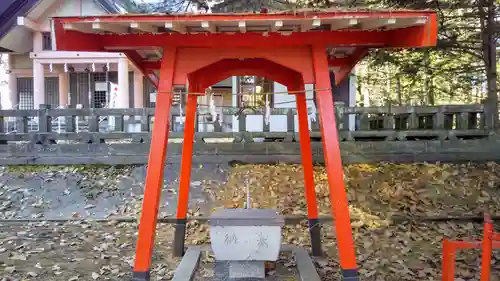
239,271
246,269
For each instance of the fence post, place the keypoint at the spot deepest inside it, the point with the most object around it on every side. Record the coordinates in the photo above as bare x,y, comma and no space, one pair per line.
94,126
413,119
290,121
119,123
44,126
242,128
489,114
2,129
22,124
93,121
196,121
438,123
341,118
290,125
242,122
364,121
266,126
217,125
44,121
388,118
145,125
70,123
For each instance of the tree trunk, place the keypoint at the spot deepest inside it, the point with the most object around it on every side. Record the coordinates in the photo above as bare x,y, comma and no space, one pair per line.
398,89
428,93
388,90
487,19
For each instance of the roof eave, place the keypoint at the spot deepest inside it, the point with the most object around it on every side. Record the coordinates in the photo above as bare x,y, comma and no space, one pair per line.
18,8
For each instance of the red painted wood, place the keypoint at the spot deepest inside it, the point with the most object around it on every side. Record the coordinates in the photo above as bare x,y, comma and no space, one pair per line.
298,15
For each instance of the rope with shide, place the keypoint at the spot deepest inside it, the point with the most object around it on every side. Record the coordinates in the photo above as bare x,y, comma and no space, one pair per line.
208,91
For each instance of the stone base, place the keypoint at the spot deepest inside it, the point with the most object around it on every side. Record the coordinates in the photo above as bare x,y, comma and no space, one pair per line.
239,271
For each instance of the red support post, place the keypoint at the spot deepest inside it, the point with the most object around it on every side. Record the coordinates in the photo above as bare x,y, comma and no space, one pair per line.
334,169
307,166
487,244
448,262
487,249
154,177
186,163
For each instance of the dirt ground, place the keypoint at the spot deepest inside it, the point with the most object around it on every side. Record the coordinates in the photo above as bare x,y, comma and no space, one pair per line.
386,250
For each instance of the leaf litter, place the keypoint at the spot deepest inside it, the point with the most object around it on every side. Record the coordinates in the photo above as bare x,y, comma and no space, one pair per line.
385,249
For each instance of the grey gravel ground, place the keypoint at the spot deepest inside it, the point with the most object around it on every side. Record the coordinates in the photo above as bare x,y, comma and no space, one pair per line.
85,250
99,192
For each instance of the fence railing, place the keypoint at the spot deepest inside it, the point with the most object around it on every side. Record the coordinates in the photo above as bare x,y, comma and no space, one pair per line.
354,123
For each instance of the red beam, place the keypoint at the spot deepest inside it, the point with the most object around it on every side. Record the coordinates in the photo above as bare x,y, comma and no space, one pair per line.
347,64
415,37
137,61
220,70
75,41
353,58
153,65
295,15
153,78
72,40
412,37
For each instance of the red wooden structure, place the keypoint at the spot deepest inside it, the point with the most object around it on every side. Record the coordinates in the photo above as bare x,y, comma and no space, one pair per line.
491,240
293,48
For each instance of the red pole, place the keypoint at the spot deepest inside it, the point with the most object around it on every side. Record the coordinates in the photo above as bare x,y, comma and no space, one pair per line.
186,163
448,262
307,164
334,169
156,162
487,249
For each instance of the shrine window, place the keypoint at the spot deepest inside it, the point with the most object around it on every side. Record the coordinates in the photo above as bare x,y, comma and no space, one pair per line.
47,41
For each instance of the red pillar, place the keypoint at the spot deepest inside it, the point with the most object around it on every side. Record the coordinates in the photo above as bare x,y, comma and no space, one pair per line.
333,161
307,166
448,262
487,248
154,177
185,180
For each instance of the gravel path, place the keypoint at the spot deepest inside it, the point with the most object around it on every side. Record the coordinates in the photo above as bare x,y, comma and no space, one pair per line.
85,251
96,192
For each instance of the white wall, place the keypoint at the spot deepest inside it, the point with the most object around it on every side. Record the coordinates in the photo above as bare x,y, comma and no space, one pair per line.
284,100
22,61
80,8
4,79
75,8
